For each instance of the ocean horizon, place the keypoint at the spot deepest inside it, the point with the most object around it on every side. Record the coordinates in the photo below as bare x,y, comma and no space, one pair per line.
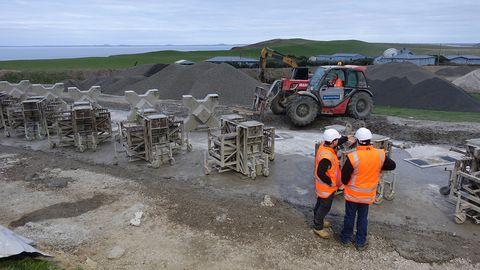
78,51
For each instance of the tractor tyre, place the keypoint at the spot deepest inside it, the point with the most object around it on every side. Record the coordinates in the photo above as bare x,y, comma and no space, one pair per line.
360,105
302,110
276,105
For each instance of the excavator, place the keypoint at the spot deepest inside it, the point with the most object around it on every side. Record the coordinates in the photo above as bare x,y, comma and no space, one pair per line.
285,87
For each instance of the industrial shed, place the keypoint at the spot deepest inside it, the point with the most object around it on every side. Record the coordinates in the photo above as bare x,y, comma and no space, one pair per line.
237,61
337,57
419,60
463,59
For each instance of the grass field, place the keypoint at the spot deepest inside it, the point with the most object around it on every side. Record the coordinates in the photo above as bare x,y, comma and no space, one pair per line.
476,95
27,264
428,114
297,47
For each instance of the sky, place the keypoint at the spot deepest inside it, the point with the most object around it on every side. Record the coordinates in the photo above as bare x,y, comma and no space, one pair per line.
196,22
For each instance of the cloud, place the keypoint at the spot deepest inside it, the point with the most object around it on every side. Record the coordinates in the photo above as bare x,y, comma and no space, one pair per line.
207,22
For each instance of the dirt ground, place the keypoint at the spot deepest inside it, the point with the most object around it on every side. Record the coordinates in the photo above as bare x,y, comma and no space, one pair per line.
78,207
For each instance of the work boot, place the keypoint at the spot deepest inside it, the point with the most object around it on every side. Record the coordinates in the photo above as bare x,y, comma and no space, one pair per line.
322,233
327,224
362,247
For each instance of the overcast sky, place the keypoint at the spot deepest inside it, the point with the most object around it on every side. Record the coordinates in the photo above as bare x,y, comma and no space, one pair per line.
49,22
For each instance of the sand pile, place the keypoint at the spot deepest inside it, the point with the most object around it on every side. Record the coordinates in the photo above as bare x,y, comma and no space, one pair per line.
470,82
407,85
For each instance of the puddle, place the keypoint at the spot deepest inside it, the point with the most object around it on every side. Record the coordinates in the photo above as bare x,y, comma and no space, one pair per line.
64,210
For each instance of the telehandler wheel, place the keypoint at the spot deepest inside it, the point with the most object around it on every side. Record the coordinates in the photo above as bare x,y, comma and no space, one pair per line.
276,105
360,105
302,110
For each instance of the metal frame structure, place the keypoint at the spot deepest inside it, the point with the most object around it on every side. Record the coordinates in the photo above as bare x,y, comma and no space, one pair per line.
242,146
261,103
10,106
153,137
84,126
464,184
34,118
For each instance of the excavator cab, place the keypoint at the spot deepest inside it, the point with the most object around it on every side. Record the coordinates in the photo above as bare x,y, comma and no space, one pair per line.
300,73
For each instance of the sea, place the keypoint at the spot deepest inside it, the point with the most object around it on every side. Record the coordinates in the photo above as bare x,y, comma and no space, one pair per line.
56,52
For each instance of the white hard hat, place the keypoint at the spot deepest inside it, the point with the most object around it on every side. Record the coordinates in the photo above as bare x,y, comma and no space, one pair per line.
363,134
330,135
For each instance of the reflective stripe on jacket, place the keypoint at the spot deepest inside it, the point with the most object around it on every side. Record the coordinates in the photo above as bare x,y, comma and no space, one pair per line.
322,189
367,162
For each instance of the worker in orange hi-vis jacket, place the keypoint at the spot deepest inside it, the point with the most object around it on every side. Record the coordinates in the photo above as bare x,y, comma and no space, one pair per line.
327,176
360,175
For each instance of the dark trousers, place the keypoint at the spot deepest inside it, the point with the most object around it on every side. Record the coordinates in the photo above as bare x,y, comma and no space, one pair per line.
322,207
351,211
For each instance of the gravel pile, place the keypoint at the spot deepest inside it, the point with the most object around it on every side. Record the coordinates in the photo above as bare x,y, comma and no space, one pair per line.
470,82
173,81
233,85
117,82
455,71
407,85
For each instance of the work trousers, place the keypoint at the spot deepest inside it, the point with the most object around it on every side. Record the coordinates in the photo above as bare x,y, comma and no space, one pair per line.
353,209
322,207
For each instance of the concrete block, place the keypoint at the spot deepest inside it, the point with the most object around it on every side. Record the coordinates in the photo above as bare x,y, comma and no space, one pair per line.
23,86
141,102
54,91
201,112
91,95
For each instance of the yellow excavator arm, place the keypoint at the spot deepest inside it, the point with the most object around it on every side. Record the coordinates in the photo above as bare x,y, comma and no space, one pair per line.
270,53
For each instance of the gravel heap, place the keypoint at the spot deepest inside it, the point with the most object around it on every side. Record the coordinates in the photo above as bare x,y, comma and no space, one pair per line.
470,82
408,85
232,85
118,82
455,71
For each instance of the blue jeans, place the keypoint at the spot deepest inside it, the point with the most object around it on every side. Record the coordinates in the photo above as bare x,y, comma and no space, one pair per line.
351,211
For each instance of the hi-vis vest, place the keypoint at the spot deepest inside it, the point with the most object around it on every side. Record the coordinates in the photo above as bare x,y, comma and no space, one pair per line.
323,190
367,164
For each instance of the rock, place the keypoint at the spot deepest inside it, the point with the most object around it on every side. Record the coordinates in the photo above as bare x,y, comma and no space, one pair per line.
115,253
30,177
91,264
137,219
221,218
267,201
56,183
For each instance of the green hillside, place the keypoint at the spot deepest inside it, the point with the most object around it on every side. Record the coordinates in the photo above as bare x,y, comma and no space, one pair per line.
297,47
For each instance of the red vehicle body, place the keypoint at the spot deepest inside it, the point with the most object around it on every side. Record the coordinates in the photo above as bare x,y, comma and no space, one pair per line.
333,90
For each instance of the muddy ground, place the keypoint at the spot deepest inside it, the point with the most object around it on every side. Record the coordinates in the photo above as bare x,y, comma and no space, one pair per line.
78,208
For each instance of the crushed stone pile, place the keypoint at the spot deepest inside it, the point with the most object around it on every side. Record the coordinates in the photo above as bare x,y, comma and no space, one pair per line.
470,82
232,85
455,71
117,82
408,85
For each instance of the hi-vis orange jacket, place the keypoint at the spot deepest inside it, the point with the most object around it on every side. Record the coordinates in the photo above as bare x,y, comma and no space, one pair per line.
323,190
338,83
367,164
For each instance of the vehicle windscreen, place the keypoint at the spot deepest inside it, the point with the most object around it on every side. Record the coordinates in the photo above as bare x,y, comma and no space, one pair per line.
317,78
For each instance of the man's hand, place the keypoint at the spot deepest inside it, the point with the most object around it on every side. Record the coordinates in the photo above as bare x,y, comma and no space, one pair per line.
351,139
